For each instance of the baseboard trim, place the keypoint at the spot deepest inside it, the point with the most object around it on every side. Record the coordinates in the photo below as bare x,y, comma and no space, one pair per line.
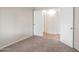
23,38
76,49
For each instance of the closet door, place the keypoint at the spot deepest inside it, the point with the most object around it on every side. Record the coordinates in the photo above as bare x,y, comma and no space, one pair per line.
67,25
76,29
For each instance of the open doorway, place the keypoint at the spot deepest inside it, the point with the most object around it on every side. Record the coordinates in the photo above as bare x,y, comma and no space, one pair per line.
45,23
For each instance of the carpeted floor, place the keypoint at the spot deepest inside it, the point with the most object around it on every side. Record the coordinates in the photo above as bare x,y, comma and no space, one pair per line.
38,44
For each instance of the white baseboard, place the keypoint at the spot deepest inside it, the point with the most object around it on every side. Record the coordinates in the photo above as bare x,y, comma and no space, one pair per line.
77,49
23,38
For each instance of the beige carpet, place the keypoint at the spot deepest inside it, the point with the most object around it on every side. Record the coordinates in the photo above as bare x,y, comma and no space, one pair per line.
38,44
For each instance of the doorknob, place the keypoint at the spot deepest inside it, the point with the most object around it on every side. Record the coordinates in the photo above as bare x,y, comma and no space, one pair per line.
71,28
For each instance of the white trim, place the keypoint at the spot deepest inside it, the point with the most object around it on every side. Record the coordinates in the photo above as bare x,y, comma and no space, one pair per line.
77,49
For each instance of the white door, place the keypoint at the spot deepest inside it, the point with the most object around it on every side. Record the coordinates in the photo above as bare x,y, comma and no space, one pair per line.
38,24
67,26
76,29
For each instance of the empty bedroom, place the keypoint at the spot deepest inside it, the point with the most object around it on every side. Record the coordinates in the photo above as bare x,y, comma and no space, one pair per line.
39,29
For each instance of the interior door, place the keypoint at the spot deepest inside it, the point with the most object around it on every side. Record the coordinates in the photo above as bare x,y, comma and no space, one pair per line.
38,23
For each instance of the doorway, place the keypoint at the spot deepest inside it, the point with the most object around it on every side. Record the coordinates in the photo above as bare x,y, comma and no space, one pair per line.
38,23
46,23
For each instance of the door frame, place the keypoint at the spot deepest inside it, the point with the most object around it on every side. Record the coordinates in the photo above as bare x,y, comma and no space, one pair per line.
73,25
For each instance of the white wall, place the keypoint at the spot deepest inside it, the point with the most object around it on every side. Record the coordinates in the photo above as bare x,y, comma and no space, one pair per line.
53,22
76,29
15,24
66,24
